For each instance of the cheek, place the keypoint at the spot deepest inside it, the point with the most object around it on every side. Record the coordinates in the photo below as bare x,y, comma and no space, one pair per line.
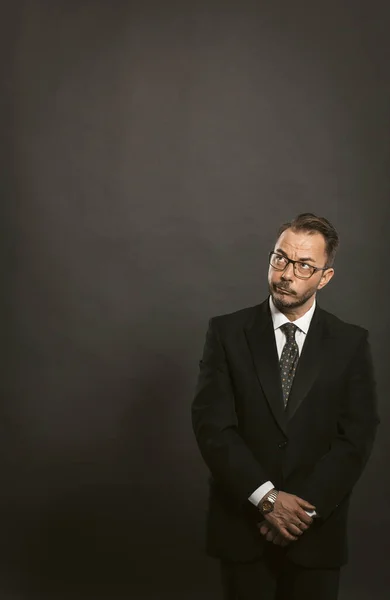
306,290
273,276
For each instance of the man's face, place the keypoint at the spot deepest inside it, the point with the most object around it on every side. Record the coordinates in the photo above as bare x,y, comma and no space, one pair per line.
287,290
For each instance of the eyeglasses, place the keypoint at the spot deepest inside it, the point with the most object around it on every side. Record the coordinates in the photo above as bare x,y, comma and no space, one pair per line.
302,270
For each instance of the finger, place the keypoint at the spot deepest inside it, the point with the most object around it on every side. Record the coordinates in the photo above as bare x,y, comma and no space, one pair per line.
279,527
294,529
277,540
305,517
280,541
270,536
287,535
264,530
304,504
300,524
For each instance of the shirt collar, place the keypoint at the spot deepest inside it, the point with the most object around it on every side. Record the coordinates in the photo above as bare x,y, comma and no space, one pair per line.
278,318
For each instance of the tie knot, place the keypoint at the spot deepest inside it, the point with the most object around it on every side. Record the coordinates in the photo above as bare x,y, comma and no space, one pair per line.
289,330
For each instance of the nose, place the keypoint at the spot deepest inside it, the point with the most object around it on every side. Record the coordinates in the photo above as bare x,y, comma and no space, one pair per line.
288,273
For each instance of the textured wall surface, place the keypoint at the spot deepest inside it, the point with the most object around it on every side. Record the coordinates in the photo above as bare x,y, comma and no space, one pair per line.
150,152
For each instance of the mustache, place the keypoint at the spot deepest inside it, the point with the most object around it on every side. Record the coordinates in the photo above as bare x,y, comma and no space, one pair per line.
285,288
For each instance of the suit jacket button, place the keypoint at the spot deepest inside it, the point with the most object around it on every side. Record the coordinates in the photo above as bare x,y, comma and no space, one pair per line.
282,444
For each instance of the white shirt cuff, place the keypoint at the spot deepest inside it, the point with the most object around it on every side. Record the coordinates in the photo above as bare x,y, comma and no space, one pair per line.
260,492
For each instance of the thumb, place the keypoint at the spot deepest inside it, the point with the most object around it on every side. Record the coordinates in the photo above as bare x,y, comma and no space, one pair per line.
304,504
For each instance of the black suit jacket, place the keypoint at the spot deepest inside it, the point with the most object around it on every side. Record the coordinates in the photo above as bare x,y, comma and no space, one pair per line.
316,449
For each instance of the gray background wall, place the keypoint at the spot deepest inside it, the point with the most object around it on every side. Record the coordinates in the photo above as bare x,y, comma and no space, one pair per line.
150,151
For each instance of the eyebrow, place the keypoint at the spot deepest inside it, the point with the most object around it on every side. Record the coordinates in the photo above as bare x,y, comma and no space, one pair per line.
303,259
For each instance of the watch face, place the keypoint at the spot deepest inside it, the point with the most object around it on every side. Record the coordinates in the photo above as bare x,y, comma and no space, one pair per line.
267,506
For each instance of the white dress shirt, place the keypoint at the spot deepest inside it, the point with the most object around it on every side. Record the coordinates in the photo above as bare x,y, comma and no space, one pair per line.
303,324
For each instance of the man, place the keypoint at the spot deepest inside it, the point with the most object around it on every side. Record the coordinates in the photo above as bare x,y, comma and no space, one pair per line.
285,418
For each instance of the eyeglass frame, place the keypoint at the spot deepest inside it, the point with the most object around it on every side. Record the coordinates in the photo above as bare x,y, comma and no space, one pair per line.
289,260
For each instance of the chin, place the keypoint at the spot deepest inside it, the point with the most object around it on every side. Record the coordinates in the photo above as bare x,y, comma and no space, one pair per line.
286,301
282,302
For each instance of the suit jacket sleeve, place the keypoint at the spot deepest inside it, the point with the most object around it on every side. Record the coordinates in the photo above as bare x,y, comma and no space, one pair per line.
337,472
214,419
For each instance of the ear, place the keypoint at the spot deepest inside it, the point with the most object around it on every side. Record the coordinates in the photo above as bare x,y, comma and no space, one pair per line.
326,277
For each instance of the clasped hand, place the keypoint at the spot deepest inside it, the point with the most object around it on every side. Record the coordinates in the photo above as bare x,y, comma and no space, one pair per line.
288,520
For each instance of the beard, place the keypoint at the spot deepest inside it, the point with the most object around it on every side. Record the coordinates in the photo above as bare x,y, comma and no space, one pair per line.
290,302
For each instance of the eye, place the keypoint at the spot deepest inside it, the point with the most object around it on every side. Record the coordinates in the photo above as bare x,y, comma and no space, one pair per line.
305,266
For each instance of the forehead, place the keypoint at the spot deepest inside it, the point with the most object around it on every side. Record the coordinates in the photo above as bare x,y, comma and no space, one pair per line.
302,244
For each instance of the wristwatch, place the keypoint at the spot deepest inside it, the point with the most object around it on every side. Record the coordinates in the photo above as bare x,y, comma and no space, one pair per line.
267,505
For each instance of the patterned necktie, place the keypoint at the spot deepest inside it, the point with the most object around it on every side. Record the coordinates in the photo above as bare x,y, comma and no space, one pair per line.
289,359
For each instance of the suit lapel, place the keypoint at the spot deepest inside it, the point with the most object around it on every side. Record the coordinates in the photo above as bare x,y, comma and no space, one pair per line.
261,340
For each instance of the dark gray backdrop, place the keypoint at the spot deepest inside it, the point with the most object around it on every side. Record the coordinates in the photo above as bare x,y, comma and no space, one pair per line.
150,151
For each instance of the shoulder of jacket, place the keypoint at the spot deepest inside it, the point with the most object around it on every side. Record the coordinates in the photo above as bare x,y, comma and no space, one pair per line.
343,327
238,317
